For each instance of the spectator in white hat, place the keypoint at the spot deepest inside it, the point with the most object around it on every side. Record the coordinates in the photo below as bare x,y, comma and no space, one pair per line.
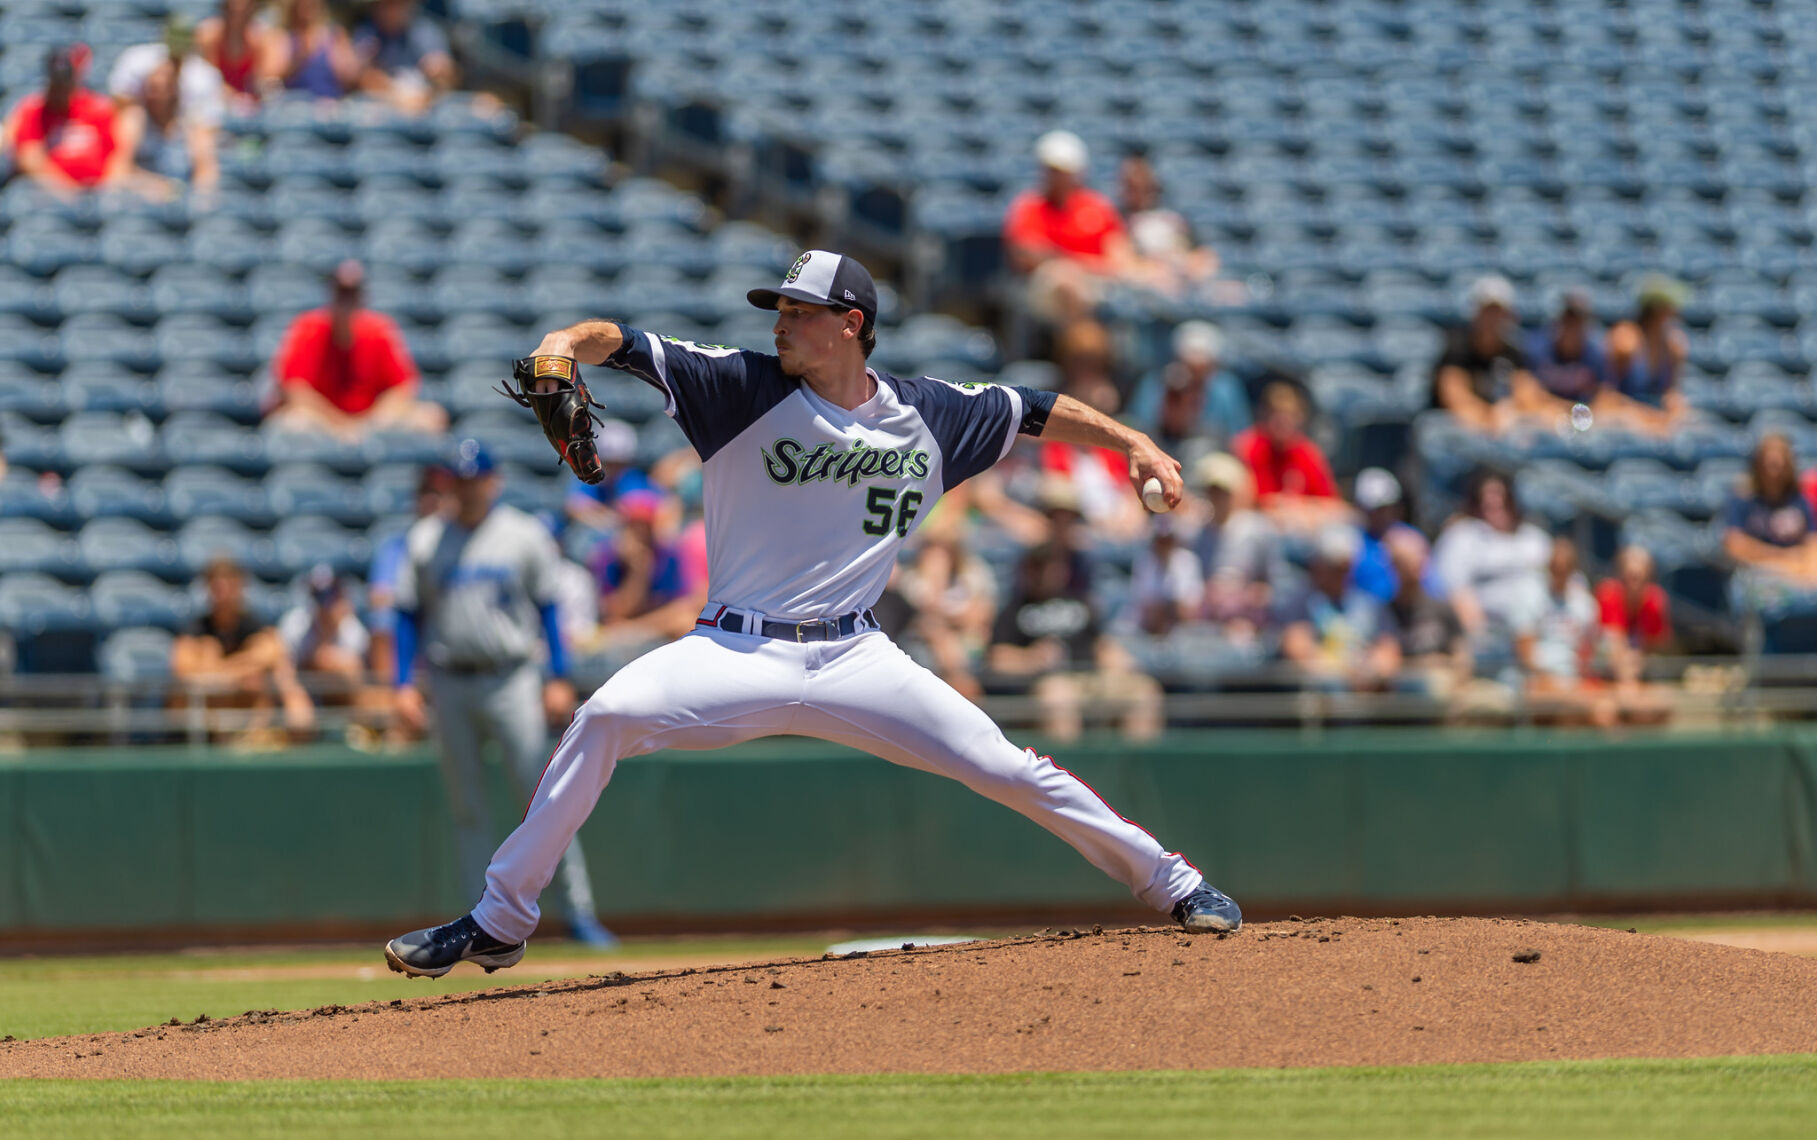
1063,235
1334,631
1378,495
1193,396
1482,378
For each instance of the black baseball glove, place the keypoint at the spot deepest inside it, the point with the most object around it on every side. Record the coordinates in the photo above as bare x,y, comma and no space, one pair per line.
565,410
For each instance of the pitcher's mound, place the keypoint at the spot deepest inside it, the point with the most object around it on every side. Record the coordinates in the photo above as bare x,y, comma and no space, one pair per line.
1316,992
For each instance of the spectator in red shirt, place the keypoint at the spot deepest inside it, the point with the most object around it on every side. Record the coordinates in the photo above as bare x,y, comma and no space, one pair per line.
345,370
64,136
1293,480
1064,236
1634,607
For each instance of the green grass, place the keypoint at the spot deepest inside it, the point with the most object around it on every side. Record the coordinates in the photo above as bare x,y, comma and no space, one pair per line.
48,997
1760,1096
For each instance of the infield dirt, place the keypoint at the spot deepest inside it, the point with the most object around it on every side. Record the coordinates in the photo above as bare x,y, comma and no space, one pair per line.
1340,991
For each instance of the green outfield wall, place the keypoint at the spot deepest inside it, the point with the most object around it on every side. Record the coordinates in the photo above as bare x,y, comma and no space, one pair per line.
1353,821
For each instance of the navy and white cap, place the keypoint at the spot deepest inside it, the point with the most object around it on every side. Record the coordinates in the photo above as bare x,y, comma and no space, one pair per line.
822,278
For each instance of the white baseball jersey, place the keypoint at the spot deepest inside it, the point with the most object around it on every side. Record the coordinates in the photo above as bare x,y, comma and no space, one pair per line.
807,502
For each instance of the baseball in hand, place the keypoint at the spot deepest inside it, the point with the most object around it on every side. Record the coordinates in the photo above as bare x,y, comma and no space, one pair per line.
1153,497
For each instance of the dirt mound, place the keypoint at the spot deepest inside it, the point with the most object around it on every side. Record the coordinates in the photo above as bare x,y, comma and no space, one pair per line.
1315,992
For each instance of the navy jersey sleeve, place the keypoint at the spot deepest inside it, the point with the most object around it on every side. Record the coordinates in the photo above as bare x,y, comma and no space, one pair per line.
974,424
712,391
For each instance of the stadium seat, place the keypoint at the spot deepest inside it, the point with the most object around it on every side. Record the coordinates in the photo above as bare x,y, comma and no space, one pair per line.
127,544
197,491
136,655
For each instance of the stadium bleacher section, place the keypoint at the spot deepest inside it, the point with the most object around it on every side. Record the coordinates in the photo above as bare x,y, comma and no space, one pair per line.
1356,164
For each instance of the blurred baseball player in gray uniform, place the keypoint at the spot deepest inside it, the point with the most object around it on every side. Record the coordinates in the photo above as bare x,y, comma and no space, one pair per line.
475,593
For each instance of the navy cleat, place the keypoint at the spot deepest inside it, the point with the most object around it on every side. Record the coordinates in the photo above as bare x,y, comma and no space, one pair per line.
433,952
1208,911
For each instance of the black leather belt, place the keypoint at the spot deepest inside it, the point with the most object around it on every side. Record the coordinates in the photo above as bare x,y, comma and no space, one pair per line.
477,668
814,629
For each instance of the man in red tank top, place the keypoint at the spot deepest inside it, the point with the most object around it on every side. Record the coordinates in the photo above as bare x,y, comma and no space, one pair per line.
64,135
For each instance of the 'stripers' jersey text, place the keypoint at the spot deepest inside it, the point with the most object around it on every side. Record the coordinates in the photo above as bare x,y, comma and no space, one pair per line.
807,502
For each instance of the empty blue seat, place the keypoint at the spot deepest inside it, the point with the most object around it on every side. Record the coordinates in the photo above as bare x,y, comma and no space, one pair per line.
127,544
100,289
211,438
202,540
189,288
187,387
99,491
309,447
109,437
31,545
312,489
310,540
194,492
136,655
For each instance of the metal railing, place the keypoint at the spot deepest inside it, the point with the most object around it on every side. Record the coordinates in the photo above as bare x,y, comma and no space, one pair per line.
1705,692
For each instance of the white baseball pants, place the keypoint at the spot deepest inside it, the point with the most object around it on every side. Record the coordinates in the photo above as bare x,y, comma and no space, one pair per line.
861,691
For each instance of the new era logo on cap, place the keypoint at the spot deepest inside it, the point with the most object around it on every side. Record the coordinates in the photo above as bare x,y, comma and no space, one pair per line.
820,277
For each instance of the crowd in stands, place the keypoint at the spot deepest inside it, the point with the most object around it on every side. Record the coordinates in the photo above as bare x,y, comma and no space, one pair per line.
155,127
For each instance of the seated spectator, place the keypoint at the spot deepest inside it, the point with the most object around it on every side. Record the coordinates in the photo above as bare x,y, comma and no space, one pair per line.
1647,354
1567,356
1482,377
1048,641
1293,480
1167,582
1435,653
1488,562
1378,496
591,504
1067,239
63,138
325,636
1635,609
311,53
404,55
1769,525
239,46
346,371
1556,635
647,593
1333,631
1238,548
169,116
1193,397
951,600
232,660
1162,238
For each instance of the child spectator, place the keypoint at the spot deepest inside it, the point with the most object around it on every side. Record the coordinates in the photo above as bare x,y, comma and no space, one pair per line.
1557,630
591,504
169,145
345,369
1634,607
325,636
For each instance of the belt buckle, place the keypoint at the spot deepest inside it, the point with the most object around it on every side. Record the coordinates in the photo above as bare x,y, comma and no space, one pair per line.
802,626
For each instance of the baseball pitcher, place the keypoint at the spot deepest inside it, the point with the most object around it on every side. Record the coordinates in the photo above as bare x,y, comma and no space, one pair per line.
816,469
